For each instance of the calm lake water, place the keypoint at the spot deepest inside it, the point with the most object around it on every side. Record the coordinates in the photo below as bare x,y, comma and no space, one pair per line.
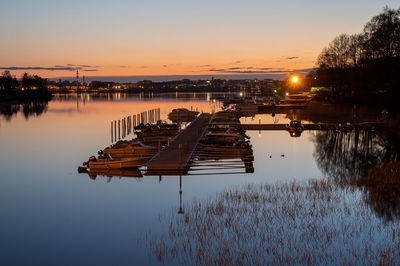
51,215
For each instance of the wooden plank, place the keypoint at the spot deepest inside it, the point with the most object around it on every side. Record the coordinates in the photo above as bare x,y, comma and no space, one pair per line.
177,156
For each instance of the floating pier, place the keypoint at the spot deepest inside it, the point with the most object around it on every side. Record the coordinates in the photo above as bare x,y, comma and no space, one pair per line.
176,157
284,126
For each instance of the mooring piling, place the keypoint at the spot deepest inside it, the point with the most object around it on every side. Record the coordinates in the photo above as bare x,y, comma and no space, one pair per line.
126,125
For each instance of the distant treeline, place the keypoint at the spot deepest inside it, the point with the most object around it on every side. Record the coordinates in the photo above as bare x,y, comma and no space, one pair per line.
30,87
364,67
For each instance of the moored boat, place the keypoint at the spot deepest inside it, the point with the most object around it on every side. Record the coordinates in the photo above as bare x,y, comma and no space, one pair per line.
182,115
123,149
295,128
109,163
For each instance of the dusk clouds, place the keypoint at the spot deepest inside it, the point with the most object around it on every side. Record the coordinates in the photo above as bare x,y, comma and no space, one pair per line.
68,67
257,70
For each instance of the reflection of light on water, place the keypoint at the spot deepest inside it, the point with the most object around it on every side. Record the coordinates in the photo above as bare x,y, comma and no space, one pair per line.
294,145
208,96
176,95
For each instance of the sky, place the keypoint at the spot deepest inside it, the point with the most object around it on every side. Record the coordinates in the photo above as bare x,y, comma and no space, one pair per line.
175,37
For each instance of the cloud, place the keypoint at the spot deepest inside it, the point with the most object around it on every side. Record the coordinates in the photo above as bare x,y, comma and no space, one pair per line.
68,67
305,69
237,70
165,66
237,62
251,70
205,66
123,66
85,66
40,68
292,57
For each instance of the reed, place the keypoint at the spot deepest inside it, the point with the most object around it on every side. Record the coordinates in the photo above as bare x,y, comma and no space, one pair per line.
292,223
381,187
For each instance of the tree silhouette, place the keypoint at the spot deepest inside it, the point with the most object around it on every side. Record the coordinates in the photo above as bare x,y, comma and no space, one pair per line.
364,67
8,83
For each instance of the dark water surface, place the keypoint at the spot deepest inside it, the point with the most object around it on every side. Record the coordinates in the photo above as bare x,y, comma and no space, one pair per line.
51,215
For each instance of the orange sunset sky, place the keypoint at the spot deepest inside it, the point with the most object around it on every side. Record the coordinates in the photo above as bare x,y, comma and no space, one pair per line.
138,38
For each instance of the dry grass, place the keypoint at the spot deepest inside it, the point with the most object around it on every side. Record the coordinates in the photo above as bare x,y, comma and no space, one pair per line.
381,186
314,223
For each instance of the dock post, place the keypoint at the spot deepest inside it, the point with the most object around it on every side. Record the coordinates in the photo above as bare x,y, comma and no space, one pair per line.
130,124
124,127
119,129
115,130
112,131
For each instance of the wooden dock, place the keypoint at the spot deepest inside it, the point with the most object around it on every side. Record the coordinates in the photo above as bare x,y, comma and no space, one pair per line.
176,157
284,127
326,126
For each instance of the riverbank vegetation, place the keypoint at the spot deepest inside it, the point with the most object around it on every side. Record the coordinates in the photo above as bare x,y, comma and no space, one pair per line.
29,88
314,223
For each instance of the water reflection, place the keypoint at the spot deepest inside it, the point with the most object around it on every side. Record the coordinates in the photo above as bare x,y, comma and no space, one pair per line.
128,172
381,187
366,159
29,109
343,156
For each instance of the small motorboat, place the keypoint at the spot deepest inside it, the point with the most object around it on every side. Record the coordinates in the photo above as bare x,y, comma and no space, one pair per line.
124,149
105,162
182,115
295,128
126,172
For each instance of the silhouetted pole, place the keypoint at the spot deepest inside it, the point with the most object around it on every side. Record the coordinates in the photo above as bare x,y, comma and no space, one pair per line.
115,130
180,211
119,129
112,131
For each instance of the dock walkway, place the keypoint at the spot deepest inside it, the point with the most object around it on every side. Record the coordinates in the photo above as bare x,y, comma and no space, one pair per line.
175,158
326,126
